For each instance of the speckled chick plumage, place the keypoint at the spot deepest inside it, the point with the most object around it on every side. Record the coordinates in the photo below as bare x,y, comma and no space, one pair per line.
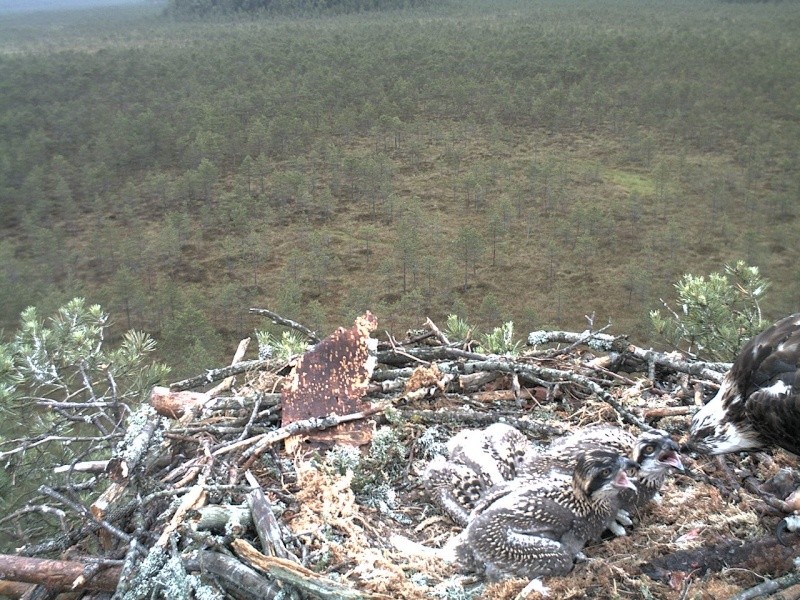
477,460
538,529
654,452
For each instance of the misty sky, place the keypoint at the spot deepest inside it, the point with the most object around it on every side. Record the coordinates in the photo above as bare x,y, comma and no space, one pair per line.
31,5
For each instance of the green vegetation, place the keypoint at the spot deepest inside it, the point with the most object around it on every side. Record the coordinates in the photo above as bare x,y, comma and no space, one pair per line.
716,316
205,8
66,395
531,161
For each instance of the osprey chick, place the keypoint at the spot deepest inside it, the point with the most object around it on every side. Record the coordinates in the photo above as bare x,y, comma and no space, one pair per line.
478,459
654,452
537,528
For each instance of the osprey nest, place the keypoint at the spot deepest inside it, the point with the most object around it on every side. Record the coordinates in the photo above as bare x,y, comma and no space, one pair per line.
294,477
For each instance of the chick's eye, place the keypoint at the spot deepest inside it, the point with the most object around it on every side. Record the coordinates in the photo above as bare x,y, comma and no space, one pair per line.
605,472
649,449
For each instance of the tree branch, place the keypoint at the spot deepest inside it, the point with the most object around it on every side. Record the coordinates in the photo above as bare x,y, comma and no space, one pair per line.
57,574
213,375
279,320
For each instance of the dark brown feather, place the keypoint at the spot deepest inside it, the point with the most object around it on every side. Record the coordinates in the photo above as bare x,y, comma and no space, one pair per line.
757,404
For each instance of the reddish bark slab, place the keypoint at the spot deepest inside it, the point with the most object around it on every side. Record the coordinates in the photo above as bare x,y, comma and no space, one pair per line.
331,378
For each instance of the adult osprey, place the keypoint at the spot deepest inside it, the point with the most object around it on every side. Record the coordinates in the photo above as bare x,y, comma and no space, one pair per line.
758,403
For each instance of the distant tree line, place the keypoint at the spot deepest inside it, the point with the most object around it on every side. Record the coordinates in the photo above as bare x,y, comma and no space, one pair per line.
529,167
224,7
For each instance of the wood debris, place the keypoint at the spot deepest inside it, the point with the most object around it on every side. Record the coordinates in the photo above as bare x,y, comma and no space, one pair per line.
204,497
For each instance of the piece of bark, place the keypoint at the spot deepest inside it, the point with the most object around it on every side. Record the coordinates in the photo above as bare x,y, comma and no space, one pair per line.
331,378
56,574
175,405
765,556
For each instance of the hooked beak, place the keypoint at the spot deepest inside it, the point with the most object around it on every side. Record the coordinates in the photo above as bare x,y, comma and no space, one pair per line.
672,458
622,480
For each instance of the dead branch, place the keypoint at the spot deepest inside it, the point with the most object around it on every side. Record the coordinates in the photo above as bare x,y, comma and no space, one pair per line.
88,466
299,576
594,339
239,580
472,418
192,500
437,332
667,411
266,524
62,542
213,375
509,395
238,356
263,441
769,587
676,362
538,374
57,574
84,512
216,517
475,381
241,402
284,322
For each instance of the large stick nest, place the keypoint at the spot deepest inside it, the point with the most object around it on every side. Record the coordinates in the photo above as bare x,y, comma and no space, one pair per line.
341,476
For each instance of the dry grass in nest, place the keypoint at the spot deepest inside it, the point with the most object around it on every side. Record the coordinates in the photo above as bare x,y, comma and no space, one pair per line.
327,504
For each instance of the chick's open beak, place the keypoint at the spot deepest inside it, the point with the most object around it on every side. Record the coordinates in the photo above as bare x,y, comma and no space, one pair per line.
622,480
671,458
